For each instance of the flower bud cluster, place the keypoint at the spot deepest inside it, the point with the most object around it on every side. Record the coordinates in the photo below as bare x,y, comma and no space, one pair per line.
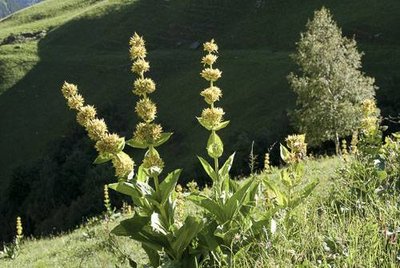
106,143
146,132
211,117
370,121
19,229
297,146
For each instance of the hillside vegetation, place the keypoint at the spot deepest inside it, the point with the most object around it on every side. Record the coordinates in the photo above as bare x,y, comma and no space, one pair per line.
86,43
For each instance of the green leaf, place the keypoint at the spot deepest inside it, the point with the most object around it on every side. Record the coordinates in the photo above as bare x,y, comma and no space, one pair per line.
141,175
207,167
215,147
163,139
136,144
153,255
157,224
168,185
285,154
204,124
121,145
185,235
102,158
221,125
209,205
305,192
235,202
128,189
224,171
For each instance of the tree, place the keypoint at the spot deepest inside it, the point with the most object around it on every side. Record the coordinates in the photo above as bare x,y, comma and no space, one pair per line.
330,86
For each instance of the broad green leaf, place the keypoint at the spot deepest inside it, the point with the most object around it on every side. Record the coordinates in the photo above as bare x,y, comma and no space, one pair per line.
215,147
128,189
235,202
168,185
157,224
102,158
204,124
221,125
209,205
141,175
303,193
136,144
191,227
153,255
224,171
285,154
207,167
163,139
121,145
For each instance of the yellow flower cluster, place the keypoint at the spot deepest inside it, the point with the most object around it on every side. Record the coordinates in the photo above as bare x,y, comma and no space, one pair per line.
211,94
212,116
106,143
146,109
297,146
267,163
19,229
153,163
146,132
107,202
354,142
370,120
123,165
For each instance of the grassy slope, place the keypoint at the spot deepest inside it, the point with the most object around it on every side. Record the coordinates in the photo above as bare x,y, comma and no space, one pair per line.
87,44
89,245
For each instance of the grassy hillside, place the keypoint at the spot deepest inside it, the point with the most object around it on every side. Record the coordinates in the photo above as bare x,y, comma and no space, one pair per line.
86,43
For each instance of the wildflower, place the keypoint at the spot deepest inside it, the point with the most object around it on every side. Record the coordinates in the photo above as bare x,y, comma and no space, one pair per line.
147,132
123,165
153,164
369,107
211,94
146,109
96,129
210,74
354,142
109,144
212,116
136,41
210,46
140,66
69,90
138,52
85,115
19,229
107,202
143,86
209,59
297,146
344,147
267,164
75,101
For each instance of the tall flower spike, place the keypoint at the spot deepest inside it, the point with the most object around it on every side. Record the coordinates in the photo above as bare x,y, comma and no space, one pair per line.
147,133
19,229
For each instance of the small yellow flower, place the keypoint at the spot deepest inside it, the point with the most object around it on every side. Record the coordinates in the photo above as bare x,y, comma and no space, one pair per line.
136,41
69,90
212,116
138,52
140,66
143,86
110,143
96,129
19,228
210,74
123,165
210,46
297,146
209,59
154,164
147,132
146,109
76,101
211,94
85,115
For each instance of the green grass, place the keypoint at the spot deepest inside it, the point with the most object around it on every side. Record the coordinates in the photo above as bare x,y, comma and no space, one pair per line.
87,44
319,236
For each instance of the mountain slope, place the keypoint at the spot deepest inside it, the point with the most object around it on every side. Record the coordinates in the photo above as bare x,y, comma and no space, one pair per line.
87,42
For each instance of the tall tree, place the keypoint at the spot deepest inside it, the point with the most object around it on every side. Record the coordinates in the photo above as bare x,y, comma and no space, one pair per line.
330,86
